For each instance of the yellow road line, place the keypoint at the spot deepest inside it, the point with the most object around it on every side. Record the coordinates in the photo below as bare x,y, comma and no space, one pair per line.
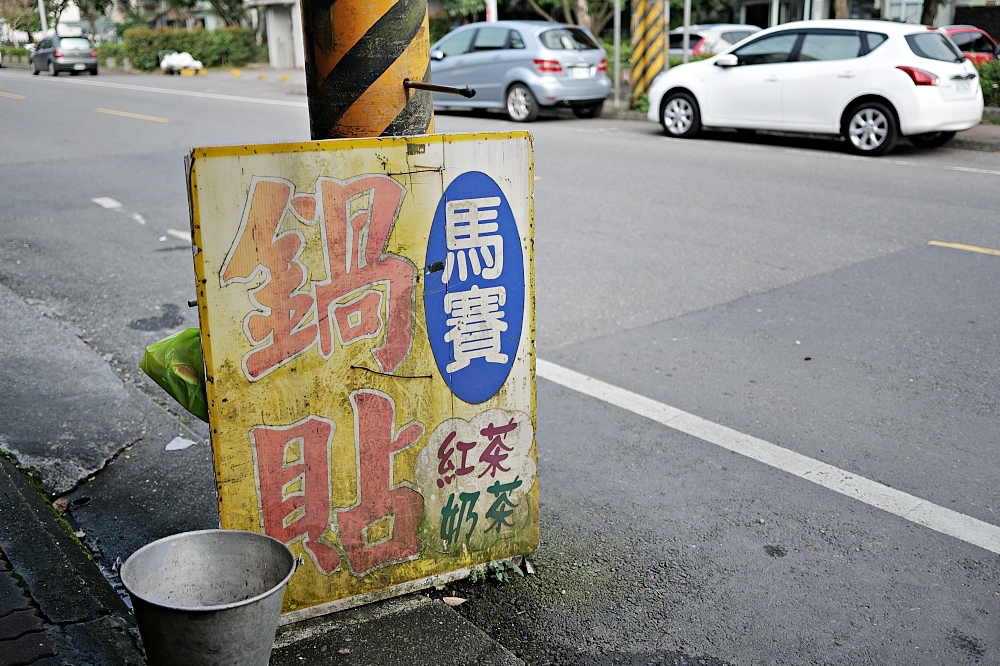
967,248
137,116
11,95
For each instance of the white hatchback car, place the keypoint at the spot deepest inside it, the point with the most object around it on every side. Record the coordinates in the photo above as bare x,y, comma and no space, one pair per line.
867,81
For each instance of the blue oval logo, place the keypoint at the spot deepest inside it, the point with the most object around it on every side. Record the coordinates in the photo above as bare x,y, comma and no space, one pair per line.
474,287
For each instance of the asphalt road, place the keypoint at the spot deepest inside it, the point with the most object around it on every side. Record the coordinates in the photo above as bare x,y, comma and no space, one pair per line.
778,287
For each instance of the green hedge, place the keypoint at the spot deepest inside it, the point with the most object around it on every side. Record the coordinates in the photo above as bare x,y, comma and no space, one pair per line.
989,79
9,51
107,50
439,26
214,48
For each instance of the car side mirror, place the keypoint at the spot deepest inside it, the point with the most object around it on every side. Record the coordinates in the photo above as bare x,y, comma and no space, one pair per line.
727,60
437,55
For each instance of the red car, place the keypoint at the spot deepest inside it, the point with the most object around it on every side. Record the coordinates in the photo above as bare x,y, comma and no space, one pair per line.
976,44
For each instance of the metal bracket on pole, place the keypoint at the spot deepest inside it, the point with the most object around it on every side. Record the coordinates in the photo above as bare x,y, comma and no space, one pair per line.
433,87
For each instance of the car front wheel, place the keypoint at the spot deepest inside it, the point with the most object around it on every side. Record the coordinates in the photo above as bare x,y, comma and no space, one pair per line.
931,140
31,66
870,129
522,107
679,116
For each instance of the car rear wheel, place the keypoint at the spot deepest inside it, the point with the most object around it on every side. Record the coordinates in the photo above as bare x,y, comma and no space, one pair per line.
680,116
522,107
870,129
931,139
591,110
93,72
52,69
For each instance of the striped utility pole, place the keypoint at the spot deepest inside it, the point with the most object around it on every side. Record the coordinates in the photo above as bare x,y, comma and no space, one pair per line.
648,44
357,56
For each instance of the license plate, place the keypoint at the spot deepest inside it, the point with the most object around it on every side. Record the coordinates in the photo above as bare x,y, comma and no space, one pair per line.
79,66
580,72
963,86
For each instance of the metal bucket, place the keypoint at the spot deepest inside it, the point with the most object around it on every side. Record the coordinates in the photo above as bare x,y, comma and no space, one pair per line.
208,598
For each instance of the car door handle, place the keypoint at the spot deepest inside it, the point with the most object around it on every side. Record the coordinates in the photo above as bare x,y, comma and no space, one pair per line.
846,75
771,79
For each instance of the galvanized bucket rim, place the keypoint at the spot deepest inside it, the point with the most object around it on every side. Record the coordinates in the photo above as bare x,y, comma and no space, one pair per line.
207,609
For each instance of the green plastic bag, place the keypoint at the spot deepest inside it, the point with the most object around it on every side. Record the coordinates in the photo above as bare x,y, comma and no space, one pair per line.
177,365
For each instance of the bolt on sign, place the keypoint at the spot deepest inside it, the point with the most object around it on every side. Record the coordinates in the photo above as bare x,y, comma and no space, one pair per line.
367,314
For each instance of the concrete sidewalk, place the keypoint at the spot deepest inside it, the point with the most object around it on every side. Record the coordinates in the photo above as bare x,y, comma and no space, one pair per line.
76,426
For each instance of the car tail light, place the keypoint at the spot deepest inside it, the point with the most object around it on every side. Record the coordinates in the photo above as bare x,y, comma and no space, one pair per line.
697,47
603,67
548,66
93,53
59,53
920,77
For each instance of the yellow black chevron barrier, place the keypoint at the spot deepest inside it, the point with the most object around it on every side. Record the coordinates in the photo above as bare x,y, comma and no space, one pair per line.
357,55
648,51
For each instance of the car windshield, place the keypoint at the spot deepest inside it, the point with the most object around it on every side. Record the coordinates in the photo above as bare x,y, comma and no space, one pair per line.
935,46
567,39
74,43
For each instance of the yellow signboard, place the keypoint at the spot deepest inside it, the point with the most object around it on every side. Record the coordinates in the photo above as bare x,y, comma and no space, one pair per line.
367,315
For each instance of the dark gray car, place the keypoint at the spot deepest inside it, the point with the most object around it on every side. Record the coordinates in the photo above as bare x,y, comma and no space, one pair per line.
57,54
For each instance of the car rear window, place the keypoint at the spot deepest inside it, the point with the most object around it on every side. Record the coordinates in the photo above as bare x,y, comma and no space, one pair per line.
567,39
75,43
515,40
677,41
934,46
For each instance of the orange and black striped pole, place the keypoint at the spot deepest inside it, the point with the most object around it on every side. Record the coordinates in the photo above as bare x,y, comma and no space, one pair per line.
358,52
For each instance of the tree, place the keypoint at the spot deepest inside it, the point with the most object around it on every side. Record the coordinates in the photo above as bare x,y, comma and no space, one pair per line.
91,10
840,9
591,14
464,9
232,12
21,15
929,12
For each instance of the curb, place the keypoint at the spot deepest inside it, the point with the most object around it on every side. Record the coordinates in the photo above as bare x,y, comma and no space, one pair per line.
62,604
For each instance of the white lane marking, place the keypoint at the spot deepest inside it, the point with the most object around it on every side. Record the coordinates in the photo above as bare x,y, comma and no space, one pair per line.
971,170
167,91
108,202
896,502
183,235
139,218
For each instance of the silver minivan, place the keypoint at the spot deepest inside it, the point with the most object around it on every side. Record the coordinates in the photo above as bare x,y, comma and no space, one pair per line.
522,67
